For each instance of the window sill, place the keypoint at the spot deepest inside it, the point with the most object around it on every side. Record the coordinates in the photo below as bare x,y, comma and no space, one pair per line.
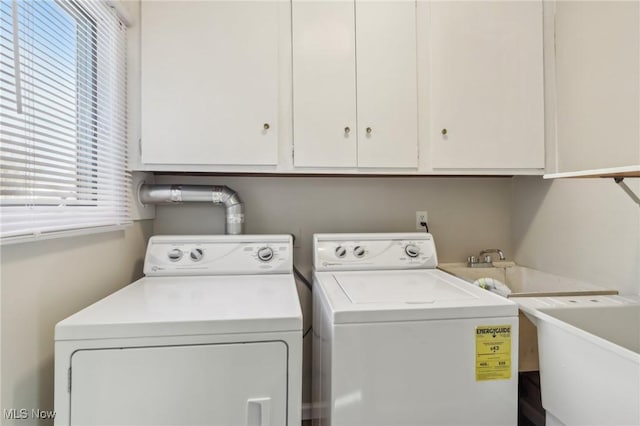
62,234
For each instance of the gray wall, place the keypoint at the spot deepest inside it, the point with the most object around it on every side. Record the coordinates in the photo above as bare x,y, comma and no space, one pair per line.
44,282
465,214
586,229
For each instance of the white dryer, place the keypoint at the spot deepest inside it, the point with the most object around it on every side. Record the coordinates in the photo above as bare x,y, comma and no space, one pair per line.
211,335
399,342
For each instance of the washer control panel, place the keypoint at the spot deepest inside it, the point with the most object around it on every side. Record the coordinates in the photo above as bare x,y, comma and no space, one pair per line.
219,255
344,252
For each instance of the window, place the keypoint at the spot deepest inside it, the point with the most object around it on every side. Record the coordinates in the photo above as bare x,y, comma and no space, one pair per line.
62,117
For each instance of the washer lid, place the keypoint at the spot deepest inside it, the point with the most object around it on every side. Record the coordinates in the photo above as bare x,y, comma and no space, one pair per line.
376,296
407,287
181,306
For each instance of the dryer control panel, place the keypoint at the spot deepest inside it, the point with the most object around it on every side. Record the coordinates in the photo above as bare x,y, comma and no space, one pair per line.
357,252
219,255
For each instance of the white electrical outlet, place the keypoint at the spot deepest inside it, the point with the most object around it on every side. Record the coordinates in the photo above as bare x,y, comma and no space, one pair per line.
421,216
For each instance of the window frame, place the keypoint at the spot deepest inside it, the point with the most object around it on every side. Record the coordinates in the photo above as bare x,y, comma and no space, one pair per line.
90,164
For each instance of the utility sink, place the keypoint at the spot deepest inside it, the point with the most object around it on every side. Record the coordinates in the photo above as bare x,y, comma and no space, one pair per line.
589,358
526,282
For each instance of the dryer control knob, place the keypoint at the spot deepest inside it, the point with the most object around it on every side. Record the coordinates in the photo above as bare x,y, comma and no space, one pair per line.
340,252
197,254
412,250
358,251
174,254
265,254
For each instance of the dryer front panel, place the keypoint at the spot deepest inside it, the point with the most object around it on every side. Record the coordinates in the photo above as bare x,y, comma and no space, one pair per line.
215,384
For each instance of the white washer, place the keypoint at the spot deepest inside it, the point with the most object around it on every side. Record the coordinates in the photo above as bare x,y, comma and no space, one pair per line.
398,342
211,335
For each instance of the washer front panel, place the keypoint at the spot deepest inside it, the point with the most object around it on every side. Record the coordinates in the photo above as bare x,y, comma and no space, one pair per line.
415,373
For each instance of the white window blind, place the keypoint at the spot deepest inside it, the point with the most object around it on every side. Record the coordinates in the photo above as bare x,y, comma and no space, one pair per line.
62,117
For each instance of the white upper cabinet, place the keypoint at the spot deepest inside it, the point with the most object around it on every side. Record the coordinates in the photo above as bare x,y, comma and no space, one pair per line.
209,84
372,86
487,89
387,92
324,84
354,84
598,87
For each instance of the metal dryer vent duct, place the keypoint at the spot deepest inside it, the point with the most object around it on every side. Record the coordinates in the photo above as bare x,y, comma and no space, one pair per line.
176,194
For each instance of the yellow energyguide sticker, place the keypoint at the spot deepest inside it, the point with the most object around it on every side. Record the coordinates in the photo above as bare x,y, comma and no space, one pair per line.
493,352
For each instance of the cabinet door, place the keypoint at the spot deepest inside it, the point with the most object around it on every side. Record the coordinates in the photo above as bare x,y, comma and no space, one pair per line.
324,84
218,385
209,82
487,95
387,92
598,84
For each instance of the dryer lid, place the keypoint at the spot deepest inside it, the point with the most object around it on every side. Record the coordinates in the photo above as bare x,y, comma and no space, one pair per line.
380,296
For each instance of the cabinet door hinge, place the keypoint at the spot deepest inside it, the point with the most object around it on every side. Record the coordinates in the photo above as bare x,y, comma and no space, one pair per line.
69,380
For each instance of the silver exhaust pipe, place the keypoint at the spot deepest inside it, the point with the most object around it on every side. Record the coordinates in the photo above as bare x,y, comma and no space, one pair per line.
177,194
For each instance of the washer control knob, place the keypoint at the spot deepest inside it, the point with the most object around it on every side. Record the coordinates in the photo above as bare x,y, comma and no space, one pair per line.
341,251
358,251
174,254
197,254
412,250
265,254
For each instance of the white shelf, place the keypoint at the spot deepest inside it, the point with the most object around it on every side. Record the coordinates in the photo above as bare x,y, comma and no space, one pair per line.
626,171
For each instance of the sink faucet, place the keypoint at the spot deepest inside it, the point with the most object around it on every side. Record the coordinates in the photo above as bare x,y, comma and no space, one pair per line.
484,259
487,251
